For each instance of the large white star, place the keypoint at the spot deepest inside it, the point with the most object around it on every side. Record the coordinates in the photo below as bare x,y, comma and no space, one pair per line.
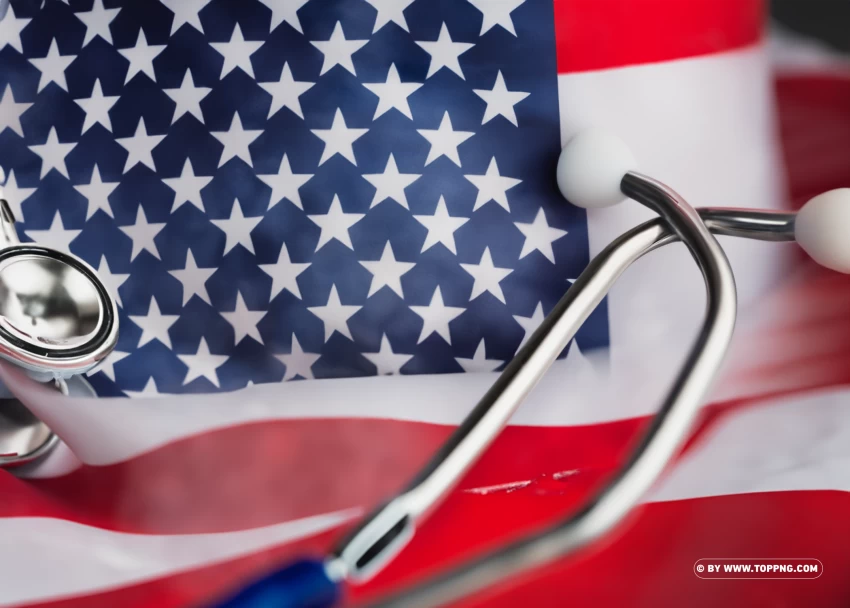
492,186
97,108
441,227
238,228
497,12
338,50
107,365
244,321
479,361
55,237
335,315
285,10
154,325
141,56
193,279
444,141
97,21
142,234
284,274
10,30
539,236
297,362
335,224
15,195
445,53
187,187
387,271
391,184
10,111
393,93
286,91
390,11
202,364
186,11
530,324
500,101
487,277
339,139
236,141
387,361
285,184
139,147
111,280
237,53
53,153
97,193
188,98
436,317
52,67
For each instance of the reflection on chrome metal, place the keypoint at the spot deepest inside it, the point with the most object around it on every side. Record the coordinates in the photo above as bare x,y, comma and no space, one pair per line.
4,6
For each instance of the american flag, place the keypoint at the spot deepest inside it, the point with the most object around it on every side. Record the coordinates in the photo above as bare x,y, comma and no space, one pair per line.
315,214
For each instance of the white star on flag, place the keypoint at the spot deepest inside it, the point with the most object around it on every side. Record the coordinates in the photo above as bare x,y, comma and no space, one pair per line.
487,277
339,139
202,364
391,184
97,108
244,321
10,111
444,141
500,101
111,280
193,279
387,272
297,362
237,53
97,193
285,92
285,184
390,11
187,187
387,361
238,228
492,186
393,93
154,325
52,67
338,50
97,21
188,98
335,224
335,315
441,227
479,361
284,274
57,237
15,196
141,56
142,234
445,53
497,12
53,154
285,10
539,236
530,324
107,365
140,147
436,317
149,391
186,11
236,141
10,30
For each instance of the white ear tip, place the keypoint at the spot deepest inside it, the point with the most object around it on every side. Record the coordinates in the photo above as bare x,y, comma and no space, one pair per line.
822,229
590,169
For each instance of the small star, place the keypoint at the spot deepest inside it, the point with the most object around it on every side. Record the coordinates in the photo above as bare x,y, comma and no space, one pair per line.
487,277
539,236
56,236
193,279
187,187
284,273
150,390
335,224
390,11
393,93
500,101
479,361
186,11
445,53
497,12
112,281
285,10
436,317
530,324
154,325
107,365
10,30
391,184
97,21
492,186
441,227
202,364
53,154
244,321
52,67
285,184
387,272
297,362
238,228
338,50
15,196
141,57
236,141
444,141
142,234
188,98
286,92
335,315
339,139
97,108
10,111
237,53
97,193
139,147
387,361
